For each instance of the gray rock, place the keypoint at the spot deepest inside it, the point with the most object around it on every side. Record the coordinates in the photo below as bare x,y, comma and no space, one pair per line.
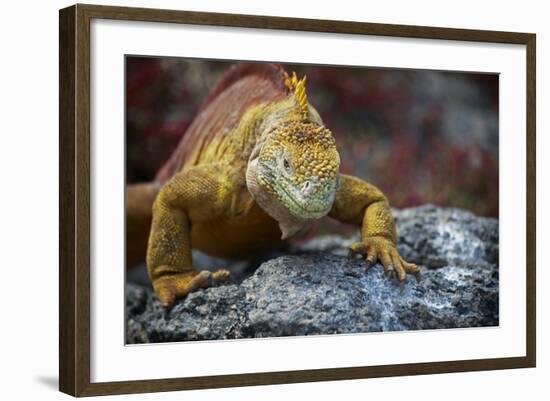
318,289
436,237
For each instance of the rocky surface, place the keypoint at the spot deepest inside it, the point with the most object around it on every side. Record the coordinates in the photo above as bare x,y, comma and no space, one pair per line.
318,289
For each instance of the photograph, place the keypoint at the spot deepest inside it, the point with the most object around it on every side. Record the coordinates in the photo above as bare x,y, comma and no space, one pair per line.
268,199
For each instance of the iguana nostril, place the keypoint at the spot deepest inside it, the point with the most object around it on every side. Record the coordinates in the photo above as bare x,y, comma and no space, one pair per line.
307,185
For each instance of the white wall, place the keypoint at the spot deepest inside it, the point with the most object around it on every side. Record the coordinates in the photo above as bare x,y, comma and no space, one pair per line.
28,164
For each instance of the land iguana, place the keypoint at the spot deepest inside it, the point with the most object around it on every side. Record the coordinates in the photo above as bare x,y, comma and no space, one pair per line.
256,166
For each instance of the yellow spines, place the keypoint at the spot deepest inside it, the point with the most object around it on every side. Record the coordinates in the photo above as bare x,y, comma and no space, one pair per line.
298,88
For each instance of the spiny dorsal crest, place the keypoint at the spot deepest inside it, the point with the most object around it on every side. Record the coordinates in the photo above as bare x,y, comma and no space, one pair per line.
298,88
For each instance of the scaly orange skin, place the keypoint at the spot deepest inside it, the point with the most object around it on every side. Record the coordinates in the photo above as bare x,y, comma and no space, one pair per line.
216,196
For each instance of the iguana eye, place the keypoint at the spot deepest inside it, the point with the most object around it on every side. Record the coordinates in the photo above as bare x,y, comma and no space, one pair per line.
286,164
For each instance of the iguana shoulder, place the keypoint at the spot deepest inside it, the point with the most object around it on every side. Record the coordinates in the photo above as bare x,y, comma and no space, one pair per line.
237,91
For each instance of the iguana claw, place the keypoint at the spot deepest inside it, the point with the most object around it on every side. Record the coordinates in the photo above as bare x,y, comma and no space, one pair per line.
382,249
170,287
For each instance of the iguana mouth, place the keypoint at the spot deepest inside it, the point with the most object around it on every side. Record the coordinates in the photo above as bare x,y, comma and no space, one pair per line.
299,208
311,212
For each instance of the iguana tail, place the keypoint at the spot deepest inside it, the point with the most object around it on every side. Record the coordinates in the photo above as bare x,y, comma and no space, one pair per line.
139,204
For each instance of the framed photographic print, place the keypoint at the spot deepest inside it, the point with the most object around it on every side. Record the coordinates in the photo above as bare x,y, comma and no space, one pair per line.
251,200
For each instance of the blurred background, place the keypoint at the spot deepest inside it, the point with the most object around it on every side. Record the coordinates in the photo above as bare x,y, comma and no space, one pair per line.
420,136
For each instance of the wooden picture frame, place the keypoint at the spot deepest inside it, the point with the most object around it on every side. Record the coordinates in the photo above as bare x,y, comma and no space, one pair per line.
75,207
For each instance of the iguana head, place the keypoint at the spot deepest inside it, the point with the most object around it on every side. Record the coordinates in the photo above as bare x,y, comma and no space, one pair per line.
293,171
295,174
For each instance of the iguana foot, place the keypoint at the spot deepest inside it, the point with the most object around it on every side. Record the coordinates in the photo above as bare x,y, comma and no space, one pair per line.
382,249
168,288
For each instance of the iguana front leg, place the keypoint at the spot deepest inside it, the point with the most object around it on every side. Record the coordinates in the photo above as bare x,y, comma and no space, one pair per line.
190,196
358,202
